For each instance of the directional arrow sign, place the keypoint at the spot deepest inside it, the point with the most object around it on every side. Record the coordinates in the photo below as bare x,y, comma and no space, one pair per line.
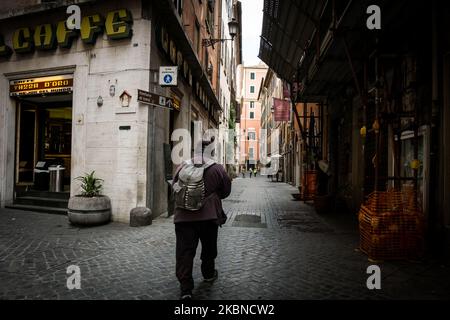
154,99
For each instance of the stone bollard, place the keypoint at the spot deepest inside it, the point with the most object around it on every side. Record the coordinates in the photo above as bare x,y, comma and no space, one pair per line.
140,216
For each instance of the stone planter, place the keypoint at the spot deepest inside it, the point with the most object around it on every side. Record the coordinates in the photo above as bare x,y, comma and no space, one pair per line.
89,211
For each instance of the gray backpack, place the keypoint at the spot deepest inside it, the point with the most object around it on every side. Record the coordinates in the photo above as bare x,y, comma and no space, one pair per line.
189,190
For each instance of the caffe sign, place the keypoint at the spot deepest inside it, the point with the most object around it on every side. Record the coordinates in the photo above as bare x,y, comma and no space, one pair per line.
42,85
47,36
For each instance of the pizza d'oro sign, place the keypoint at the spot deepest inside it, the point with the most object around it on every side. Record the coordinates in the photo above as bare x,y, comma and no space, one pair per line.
42,85
116,25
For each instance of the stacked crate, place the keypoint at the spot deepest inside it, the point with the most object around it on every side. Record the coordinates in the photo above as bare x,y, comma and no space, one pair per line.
391,226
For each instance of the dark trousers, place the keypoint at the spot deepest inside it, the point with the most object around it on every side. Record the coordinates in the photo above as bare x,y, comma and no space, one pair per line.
188,234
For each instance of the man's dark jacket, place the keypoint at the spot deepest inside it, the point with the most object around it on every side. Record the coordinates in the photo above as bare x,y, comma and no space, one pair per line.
217,187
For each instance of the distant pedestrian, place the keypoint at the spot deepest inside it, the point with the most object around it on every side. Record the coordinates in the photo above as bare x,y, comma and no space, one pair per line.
255,171
243,174
250,172
198,192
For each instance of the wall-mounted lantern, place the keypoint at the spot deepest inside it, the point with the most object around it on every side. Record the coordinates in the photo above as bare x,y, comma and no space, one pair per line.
233,28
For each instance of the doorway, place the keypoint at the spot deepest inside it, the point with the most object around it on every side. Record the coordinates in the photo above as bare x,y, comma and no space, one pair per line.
26,141
43,146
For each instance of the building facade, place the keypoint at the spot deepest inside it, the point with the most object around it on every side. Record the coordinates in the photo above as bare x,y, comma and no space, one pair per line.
69,97
229,58
270,89
250,119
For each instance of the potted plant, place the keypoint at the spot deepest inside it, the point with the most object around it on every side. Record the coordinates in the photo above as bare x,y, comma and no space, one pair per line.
89,207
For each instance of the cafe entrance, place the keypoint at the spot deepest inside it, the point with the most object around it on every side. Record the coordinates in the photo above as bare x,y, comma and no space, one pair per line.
43,151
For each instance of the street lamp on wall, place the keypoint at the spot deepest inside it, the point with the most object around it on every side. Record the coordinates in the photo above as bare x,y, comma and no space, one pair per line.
233,27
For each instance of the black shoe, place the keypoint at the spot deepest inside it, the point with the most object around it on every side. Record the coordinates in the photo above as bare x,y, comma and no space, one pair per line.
186,295
213,278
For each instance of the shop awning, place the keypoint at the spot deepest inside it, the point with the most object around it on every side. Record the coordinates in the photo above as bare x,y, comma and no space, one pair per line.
286,31
299,38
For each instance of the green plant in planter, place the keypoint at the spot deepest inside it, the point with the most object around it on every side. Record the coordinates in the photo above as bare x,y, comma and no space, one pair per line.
90,185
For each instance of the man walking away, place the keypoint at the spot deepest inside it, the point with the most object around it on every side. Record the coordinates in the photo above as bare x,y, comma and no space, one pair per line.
250,172
198,192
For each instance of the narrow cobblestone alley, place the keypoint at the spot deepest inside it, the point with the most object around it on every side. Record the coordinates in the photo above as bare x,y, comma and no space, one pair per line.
271,247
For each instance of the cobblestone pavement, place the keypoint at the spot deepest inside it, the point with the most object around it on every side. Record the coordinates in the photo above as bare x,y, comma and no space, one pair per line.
270,248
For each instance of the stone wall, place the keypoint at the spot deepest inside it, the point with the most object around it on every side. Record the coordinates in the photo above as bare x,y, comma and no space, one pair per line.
118,156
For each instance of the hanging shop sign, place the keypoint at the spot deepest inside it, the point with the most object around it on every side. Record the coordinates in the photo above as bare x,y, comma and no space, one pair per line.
43,85
176,102
282,111
117,25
